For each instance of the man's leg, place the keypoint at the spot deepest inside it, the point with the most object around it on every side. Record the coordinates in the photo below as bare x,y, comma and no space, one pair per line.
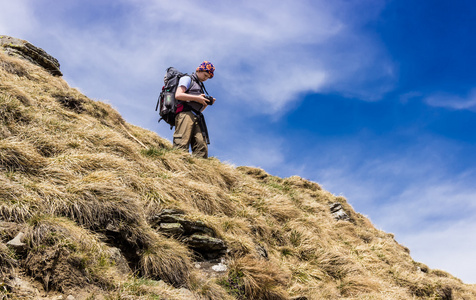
199,145
184,123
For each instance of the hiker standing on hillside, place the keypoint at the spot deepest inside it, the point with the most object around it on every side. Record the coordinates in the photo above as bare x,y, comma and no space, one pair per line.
190,127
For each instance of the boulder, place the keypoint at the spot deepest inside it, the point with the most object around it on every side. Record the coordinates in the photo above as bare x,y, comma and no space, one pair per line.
25,50
189,226
119,260
338,212
196,234
171,229
208,246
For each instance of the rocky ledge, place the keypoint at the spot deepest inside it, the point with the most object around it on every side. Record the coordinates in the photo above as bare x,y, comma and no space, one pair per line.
25,50
196,234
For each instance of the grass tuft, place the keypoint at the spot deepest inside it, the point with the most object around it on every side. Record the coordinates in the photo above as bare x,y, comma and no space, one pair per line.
166,260
249,278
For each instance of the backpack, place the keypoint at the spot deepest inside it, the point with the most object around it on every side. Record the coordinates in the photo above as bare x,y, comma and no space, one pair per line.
166,104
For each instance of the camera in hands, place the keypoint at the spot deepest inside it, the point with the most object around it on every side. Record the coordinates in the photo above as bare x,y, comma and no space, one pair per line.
210,100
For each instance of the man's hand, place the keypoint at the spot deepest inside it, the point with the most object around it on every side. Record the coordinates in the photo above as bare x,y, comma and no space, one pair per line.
210,100
202,100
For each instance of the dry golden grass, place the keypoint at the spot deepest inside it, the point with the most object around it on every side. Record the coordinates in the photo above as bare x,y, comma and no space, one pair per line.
166,259
255,278
7,260
83,185
63,255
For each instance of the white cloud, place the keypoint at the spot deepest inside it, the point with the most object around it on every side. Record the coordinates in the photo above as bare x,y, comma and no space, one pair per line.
265,52
249,148
435,202
453,101
415,195
16,18
433,216
401,192
450,249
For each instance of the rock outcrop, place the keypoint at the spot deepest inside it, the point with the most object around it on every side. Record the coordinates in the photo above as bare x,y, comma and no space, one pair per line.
25,50
338,212
196,234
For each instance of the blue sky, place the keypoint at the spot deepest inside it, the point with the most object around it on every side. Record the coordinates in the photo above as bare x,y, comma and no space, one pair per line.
374,100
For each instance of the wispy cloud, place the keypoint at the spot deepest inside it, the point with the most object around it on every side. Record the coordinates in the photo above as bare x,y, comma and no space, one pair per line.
450,249
404,189
265,52
429,201
268,54
412,196
249,147
13,16
452,101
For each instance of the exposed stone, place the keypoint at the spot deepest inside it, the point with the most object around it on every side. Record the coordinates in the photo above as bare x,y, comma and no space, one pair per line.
190,227
208,246
212,268
168,218
119,260
171,229
338,212
196,234
205,242
220,267
172,211
17,243
198,227
25,50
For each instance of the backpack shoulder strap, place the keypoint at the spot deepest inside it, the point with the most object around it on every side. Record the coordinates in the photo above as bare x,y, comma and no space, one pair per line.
190,86
203,87
199,83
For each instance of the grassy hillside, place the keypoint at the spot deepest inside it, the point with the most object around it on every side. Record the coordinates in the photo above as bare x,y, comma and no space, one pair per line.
109,210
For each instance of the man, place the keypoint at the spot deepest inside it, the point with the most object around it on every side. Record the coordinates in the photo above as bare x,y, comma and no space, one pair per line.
190,128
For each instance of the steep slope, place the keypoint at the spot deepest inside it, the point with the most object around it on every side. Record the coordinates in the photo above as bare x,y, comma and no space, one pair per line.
96,208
